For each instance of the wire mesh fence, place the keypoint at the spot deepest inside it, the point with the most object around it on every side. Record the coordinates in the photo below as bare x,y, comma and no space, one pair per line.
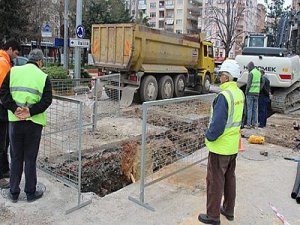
72,128
180,132
101,95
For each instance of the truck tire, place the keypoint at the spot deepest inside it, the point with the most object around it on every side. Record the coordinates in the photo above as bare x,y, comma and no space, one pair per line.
179,85
165,87
206,84
113,94
148,88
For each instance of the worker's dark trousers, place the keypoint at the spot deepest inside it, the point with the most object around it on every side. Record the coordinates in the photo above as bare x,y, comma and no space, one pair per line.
220,179
263,103
25,139
4,165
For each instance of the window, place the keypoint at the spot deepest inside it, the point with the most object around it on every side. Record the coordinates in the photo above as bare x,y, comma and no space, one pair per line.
178,31
179,11
153,5
179,2
205,50
152,14
210,51
179,22
161,24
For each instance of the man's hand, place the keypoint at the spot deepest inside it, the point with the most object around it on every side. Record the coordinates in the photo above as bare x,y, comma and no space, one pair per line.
22,113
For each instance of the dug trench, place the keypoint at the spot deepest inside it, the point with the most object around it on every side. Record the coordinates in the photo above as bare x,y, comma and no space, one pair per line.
114,164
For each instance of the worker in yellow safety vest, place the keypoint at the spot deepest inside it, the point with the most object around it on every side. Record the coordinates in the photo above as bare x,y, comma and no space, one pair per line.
26,92
222,140
252,94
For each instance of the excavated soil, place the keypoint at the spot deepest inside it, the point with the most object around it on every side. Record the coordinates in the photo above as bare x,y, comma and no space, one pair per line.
283,130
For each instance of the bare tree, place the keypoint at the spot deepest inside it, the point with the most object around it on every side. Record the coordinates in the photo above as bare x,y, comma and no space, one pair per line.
226,19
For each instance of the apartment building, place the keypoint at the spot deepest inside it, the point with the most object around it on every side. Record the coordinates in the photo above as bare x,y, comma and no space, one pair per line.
247,23
179,16
261,17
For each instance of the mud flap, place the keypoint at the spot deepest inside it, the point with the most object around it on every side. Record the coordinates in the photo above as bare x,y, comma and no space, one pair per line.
127,96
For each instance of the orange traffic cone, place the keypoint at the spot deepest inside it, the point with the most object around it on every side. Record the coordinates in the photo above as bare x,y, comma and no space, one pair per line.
241,146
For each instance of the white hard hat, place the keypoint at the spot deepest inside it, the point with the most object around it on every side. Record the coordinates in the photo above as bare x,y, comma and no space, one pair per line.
232,67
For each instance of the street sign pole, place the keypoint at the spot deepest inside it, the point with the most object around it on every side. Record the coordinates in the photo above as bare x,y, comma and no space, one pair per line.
77,49
66,25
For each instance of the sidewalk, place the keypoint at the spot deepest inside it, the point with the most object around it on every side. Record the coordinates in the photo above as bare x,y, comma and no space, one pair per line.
177,201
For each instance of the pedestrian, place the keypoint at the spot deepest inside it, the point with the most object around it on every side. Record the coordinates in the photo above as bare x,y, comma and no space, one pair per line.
10,51
252,94
263,100
26,92
222,140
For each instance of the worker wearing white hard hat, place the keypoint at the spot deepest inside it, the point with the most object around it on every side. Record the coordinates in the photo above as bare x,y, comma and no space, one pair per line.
222,141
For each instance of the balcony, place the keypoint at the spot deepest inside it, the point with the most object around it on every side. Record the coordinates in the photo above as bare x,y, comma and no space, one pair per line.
191,17
142,6
169,6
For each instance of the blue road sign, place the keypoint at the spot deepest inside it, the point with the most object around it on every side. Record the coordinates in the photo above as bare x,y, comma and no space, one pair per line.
47,28
59,42
80,31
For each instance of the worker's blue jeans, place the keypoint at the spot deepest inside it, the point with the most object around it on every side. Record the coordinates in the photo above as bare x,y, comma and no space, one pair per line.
25,139
263,103
252,102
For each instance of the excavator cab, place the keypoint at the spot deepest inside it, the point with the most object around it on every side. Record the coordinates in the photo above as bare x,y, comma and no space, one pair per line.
259,40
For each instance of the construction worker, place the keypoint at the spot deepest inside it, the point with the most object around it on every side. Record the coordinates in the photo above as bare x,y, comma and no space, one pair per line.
10,51
222,140
252,94
263,100
26,92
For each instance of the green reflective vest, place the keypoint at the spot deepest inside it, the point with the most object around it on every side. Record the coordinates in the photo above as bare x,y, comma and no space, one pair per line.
26,86
255,85
227,143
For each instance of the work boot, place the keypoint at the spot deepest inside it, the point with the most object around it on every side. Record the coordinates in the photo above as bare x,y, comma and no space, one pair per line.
35,196
12,198
4,184
205,219
230,218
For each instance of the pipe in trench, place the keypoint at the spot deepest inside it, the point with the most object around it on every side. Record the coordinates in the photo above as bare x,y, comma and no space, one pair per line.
296,189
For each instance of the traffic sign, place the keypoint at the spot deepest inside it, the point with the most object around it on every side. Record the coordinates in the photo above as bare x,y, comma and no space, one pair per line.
80,31
83,43
46,31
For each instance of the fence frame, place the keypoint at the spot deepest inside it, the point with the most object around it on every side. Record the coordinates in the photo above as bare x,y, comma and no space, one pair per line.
80,131
145,107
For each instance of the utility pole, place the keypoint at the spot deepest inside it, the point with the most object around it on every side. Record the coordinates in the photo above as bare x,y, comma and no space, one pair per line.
77,60
66,25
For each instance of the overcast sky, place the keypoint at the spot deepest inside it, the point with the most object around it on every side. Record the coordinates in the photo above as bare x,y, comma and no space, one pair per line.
286,2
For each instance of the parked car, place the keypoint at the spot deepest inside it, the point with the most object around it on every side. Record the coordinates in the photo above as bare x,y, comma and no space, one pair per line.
20,60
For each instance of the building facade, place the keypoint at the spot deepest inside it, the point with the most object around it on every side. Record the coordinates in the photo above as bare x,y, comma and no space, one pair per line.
179,16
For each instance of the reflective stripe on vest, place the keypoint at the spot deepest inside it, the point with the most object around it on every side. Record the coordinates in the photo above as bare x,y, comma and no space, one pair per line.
227,143
255,85
26,86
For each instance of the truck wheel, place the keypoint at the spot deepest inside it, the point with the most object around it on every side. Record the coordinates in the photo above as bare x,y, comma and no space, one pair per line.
148,89
165,87
179,85
206,84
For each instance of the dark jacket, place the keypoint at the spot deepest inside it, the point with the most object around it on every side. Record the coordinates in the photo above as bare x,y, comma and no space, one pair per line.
265,87
37,108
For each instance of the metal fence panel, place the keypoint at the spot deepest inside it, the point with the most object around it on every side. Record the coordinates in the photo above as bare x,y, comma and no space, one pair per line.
182,123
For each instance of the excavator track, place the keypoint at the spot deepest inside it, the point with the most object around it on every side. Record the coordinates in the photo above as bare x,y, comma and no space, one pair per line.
286,100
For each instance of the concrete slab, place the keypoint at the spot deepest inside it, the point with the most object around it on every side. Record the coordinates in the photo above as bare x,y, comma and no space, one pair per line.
177,200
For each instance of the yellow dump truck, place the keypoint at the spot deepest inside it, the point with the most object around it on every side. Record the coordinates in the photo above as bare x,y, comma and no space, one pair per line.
153,64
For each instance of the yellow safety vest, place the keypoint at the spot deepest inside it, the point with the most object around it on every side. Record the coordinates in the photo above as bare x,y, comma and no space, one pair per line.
227,143
26,86
255,85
